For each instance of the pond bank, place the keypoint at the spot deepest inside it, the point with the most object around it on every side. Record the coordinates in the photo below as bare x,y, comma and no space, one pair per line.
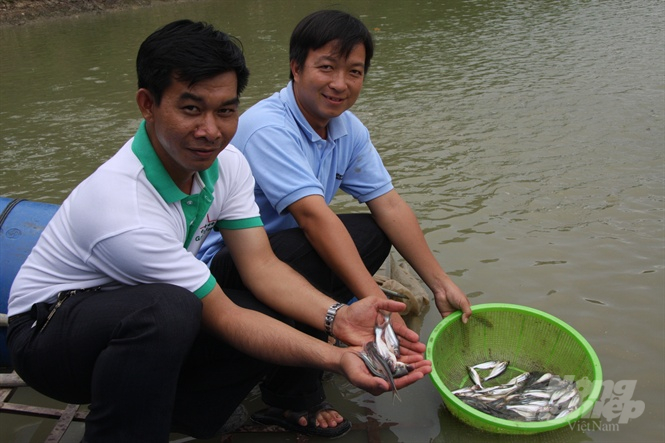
21,12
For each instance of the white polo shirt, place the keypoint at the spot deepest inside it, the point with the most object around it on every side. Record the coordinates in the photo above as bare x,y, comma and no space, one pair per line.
129,224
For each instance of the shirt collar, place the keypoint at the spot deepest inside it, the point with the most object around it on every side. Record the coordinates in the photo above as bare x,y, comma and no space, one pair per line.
336,126
156,173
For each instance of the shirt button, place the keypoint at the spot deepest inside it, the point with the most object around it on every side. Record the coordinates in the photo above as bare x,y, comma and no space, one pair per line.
190,203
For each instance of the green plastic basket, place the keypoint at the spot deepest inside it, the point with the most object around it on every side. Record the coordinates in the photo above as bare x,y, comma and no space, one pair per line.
530,340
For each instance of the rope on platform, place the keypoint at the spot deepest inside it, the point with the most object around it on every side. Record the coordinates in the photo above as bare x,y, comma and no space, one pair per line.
8,209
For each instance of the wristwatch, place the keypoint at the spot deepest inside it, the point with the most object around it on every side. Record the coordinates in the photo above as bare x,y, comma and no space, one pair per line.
330,318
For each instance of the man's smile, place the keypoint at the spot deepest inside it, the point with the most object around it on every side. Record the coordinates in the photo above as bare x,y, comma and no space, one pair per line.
333,99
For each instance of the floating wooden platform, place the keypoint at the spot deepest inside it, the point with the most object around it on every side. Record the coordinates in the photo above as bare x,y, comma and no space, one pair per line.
9,383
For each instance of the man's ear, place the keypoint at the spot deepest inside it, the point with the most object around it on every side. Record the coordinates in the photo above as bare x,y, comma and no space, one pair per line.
295,69
146,103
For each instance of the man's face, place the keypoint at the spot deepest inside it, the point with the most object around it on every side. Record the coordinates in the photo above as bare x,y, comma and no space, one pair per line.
191,125
328,84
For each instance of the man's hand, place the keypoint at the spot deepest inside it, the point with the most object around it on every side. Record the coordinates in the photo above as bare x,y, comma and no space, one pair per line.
408,339
354,369
354,325
450,299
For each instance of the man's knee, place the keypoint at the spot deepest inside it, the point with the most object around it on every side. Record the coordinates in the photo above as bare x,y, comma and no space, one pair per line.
174,312
369,238
152,311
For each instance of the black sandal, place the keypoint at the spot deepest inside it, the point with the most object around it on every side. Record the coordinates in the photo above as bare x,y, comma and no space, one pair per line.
289,420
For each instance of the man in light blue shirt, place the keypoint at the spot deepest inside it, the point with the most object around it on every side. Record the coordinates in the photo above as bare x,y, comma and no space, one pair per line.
303,145
305,163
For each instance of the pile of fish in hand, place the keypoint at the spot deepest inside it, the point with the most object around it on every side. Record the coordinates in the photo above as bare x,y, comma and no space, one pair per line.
530,396
380,356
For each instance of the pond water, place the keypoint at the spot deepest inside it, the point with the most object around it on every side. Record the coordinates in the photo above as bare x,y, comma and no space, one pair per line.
528,137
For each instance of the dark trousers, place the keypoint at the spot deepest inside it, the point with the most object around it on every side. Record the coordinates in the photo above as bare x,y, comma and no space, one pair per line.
301,388
139,357
141,360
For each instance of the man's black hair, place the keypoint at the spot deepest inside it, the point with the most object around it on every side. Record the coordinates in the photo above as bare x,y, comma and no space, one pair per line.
188,51
321,27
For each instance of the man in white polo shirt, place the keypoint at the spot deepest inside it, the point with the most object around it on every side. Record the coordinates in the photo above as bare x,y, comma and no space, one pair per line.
112,308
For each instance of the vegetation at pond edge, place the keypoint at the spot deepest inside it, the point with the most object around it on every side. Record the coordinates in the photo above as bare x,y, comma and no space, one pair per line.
20,12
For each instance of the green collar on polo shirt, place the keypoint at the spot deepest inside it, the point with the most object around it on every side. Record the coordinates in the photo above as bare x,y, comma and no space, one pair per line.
194,206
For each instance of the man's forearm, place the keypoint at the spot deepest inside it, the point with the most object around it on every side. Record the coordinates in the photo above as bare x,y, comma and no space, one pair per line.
334,244
266,338
399,223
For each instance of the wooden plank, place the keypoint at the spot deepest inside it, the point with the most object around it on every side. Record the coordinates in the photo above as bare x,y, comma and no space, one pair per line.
62,425
5,394
38,411
11,380
71,413
372,427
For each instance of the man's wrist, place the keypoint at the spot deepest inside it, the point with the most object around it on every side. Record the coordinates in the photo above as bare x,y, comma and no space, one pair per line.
330,318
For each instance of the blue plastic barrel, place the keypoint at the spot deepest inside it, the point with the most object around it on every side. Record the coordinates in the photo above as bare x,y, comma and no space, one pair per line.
21,224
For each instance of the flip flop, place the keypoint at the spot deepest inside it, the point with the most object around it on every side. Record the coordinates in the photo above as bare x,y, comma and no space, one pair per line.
289,421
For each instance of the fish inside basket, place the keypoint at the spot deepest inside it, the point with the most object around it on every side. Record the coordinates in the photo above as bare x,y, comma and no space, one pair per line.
531,341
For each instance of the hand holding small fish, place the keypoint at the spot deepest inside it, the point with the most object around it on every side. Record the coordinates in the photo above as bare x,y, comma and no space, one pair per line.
355,370
354,325
363,326
409,343
381,355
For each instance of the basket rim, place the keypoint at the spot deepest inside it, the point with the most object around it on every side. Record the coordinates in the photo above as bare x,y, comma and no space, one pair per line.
509,425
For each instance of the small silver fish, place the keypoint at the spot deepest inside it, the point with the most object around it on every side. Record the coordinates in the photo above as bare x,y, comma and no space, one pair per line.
529,413
545,415
389,335
537,394
563,413
377,365
486,365
383,349
500,389
574,402
567,396
380,356
497,370
372,366
518,379
543,378
556,395
402,369
490,409
529,396
475,378
464,391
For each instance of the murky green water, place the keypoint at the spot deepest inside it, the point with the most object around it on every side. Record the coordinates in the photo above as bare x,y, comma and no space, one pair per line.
529,137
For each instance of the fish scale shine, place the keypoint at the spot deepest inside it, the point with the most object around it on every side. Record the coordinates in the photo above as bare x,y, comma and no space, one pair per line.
529,396
380,356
